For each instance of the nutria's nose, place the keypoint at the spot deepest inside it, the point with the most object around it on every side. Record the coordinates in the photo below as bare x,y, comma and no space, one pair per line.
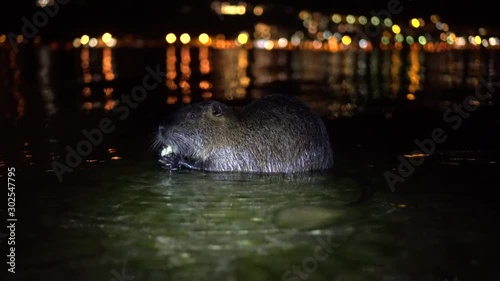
161,130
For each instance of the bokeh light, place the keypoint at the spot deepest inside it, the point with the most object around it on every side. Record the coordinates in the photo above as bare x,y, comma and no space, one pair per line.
258,10
106,37
111,43
243,38
388,22
396,29
93,42
363,43
346,40
185,38
477,39
170,38
434,18
350,19
268,45
204,38
336,18
415,23
85,39
76,42
282,42
362,20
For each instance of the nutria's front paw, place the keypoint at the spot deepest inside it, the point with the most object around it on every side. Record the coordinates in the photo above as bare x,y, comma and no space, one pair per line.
168,160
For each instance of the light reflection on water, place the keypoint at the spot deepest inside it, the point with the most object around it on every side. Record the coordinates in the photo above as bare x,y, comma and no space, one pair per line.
343,80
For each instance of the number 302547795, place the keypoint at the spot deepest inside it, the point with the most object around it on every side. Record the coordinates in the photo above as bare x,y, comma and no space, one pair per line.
11,195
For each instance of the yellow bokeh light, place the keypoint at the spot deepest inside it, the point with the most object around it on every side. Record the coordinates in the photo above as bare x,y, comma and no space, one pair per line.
185,38
170,38
396,29
346,40
228,9
204,38
410,96
85,39
106,37
415,23
269,45
243,38
477,39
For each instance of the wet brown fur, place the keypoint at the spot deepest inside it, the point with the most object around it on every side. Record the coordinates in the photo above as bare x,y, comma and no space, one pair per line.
276,134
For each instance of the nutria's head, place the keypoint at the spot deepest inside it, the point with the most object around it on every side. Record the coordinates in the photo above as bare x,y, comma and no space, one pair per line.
189,135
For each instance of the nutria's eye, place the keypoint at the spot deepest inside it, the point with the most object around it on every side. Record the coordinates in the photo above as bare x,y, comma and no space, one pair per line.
192,115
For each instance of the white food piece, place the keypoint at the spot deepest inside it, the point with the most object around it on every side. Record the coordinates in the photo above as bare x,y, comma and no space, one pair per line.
166,151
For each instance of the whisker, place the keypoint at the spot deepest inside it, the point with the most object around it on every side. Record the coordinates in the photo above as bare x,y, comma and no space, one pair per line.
155,142
153,134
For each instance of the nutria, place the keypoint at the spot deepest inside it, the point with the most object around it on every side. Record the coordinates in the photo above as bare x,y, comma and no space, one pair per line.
275,134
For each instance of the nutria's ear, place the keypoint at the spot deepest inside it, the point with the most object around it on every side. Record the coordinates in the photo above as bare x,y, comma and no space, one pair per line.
217,109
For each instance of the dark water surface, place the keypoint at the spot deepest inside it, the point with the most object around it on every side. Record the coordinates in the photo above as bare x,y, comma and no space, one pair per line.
118,214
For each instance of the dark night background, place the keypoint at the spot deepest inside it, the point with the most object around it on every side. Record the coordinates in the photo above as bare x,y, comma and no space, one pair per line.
154,18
